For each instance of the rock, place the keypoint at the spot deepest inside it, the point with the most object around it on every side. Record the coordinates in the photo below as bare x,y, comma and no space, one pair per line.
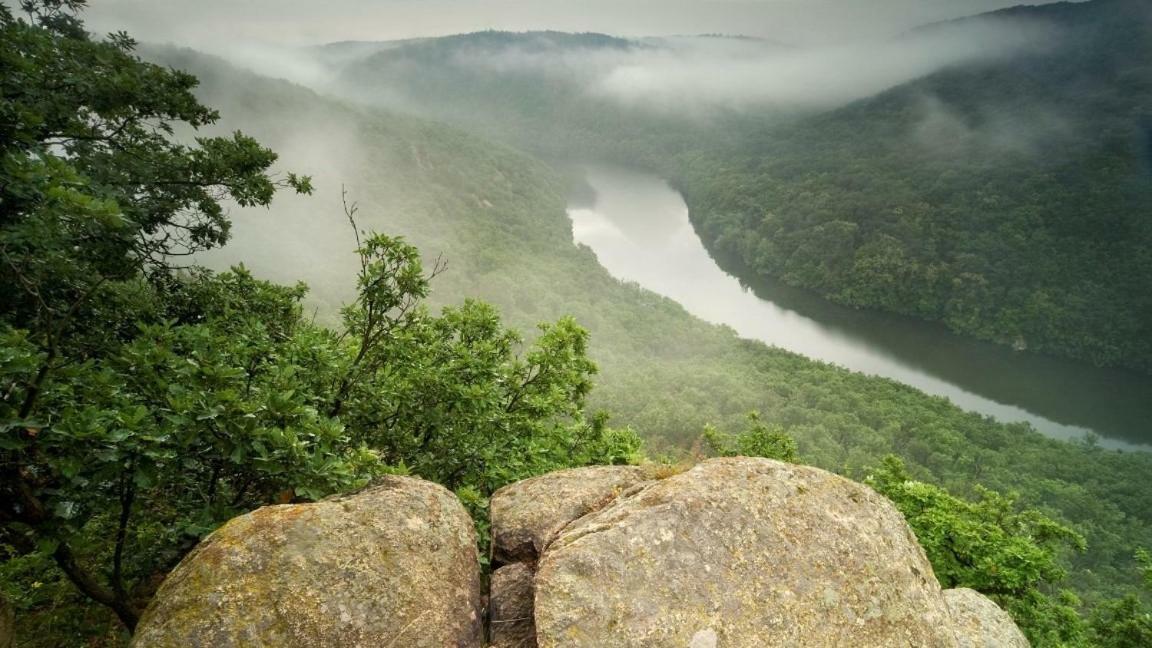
393,565
7,623
980,623
510,607
738,552
528,514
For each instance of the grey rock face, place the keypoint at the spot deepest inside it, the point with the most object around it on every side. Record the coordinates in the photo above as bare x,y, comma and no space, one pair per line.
528,514
740,552
393,565
980,623
734,552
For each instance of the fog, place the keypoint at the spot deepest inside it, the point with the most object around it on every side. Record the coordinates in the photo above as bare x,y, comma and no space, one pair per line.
1032,133
816,77
303,22
815,54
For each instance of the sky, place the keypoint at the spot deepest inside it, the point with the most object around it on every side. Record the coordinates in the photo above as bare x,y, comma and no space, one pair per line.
213,23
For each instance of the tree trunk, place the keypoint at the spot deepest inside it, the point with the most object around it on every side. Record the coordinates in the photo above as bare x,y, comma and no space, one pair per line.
7,623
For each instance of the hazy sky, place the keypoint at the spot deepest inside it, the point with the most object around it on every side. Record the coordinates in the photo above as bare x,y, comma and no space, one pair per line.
210,23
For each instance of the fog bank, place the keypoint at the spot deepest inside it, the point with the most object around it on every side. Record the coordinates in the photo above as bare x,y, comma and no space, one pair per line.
304,22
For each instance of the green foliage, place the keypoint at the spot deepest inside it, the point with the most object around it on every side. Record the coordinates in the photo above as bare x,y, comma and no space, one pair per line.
110,405
1127,622
1123,623
143,404
450,396
1144,563
63,615
991,546
757,440
1006,199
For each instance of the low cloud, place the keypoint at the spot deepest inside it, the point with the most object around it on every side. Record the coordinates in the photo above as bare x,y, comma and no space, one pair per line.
944,130
835,51
700,75
308,22
705,76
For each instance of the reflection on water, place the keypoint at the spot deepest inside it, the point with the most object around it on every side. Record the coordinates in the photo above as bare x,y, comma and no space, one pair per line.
639,228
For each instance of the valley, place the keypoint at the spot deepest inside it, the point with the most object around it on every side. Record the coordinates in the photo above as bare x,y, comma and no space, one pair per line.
639,228
257,266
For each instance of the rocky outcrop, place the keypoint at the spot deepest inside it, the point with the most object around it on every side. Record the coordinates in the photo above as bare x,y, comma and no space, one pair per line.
980,623
528,514
393,565
733,552
740,552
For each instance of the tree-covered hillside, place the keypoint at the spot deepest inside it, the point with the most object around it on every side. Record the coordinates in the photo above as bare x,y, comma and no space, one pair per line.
498,218
142,402
540,91
1004,196
1008,199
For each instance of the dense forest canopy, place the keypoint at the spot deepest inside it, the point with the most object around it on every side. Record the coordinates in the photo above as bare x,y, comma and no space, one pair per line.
1003,193
1008,200
144,403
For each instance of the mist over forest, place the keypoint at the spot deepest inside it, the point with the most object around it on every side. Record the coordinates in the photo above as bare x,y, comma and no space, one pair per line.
268,252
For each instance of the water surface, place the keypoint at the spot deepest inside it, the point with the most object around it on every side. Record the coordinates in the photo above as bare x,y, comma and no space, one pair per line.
638,227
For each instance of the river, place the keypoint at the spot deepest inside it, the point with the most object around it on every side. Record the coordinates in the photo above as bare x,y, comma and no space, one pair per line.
638,226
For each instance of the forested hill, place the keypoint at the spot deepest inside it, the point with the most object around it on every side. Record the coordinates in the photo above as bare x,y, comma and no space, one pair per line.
1010,199
1003,195
545,92
498,218
145,403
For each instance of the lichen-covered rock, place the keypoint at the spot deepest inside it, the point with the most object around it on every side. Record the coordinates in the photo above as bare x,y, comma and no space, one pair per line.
740,552
510,607
528,514
980,623
393,565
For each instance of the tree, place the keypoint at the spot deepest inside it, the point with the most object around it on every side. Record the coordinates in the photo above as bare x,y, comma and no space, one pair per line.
143,403
759,439
98,201
989,545
1127,622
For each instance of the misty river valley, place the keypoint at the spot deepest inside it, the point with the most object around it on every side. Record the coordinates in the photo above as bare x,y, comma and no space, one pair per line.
517,323
639,228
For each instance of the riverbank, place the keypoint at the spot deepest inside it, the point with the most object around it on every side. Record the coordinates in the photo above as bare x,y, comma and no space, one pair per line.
640,230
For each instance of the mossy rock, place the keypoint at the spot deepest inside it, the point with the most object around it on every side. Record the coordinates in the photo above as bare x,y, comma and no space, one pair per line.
393,565
528,514
980,623
740,552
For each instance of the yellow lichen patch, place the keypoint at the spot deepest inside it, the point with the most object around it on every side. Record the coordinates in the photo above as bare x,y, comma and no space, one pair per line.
664,471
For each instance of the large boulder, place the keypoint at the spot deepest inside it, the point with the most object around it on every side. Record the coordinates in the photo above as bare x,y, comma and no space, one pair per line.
740,552
980,623
528,514
393,565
